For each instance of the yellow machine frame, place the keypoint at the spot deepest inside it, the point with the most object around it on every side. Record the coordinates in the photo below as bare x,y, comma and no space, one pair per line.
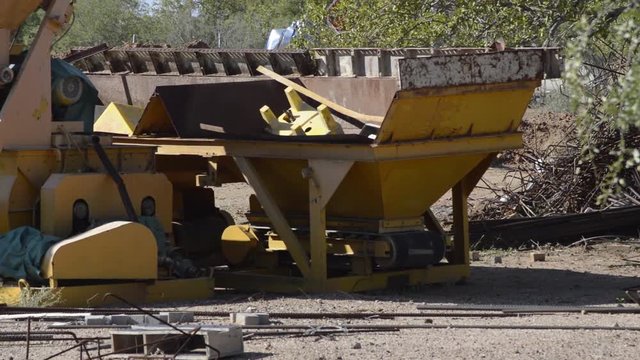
334,172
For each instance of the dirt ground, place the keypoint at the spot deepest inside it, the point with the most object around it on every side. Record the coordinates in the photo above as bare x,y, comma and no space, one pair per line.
593,275
582,275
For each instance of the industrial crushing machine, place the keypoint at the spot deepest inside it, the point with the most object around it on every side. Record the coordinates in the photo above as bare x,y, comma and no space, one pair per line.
347,210
342,199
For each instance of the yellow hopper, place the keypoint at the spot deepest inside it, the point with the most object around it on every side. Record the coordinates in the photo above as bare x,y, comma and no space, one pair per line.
351,212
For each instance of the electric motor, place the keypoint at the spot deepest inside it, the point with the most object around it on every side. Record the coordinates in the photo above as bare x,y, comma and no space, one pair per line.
67,90
412,250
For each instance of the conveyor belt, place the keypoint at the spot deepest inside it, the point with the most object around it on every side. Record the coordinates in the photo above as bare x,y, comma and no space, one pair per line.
229,62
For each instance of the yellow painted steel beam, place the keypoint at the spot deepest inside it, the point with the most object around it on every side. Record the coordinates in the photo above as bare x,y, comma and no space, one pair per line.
354,247
324,177
247,280
474,176
277,218
355,152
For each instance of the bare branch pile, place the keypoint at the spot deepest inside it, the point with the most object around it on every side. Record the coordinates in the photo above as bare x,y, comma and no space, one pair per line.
553,179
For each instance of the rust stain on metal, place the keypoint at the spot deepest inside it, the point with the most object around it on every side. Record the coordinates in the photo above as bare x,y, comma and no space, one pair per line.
471,69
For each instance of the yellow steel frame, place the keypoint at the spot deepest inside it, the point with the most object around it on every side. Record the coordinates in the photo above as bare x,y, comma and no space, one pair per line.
261,281
327,166
357,152
454,130
324,177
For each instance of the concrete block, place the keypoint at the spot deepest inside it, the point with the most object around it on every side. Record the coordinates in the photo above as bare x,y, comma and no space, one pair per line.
149,320
228,342
121,319
537,257
475,256
97,320
137,319
251,318
144,339
179,316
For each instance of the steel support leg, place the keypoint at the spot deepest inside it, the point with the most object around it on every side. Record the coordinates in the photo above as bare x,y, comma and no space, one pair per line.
324,177
460,254
317,235
278,220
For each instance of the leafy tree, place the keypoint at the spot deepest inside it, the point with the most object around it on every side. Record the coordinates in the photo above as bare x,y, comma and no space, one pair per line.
111,21
247,23
602,73
424,23
225,23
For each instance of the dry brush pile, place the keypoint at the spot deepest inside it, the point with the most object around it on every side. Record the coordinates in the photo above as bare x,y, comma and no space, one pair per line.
554,178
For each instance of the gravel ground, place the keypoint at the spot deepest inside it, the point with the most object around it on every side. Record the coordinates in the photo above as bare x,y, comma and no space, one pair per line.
592,275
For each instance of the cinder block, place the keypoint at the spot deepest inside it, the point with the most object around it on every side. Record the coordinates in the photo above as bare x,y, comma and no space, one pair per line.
251,319
537,257
228,342
138,319
121,319
179,316
142,339
263,318
475,256
150,320
97,320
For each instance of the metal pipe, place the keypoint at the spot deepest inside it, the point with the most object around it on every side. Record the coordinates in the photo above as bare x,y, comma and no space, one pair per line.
286,315
28,337
115,176
313,333
366,315
447,326
535,308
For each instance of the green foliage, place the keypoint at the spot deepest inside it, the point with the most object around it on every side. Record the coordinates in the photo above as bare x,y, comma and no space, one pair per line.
249,26
602,73
425,23
110,21
228,23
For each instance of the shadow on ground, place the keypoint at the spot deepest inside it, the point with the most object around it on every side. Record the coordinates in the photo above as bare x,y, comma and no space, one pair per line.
487,285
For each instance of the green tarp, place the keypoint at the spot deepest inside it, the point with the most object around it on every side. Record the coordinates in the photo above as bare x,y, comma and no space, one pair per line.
22,249
21,252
